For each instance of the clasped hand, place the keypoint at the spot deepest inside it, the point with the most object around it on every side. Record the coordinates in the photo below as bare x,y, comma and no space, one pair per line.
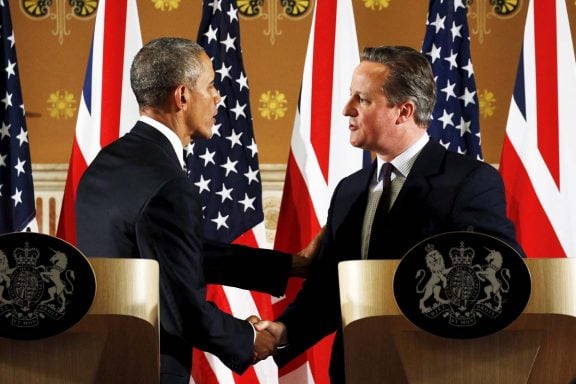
269,336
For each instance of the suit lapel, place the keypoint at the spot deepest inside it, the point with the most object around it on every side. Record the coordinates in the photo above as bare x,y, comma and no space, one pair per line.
419,182
353,198
388,238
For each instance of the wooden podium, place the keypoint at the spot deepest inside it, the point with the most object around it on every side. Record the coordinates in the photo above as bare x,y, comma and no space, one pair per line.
381,345
116,342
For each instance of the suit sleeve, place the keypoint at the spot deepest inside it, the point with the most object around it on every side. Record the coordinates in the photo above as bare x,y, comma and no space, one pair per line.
315,312
168,231
240,266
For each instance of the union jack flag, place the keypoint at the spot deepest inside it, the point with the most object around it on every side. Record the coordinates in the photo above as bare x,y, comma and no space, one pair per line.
17,209
538,162
455,119
108,108
320,156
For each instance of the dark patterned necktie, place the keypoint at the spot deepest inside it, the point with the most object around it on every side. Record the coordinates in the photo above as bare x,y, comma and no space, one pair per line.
378,237
384,177
378,204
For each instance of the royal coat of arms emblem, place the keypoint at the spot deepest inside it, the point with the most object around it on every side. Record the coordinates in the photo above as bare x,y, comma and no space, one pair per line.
46,285
462,284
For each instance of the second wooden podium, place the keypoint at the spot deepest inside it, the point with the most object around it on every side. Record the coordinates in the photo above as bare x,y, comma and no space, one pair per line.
381,345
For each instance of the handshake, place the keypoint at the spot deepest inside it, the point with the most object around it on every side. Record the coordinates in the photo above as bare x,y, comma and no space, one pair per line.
270,336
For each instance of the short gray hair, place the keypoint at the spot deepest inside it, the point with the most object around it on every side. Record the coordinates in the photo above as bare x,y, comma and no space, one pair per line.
161,65
409,77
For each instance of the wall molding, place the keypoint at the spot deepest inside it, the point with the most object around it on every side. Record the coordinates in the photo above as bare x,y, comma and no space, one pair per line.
50,180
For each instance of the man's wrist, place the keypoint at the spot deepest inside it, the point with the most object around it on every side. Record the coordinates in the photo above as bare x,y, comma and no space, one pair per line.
283,342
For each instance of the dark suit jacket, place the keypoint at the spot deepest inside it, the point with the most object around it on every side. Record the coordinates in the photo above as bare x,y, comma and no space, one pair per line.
443,192
134,200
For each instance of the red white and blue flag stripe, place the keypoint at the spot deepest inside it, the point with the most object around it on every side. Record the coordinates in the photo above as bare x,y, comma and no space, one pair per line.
538,162
108,108
320,155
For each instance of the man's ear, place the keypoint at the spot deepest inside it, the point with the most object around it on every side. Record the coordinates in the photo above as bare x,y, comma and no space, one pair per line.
406,112
180,96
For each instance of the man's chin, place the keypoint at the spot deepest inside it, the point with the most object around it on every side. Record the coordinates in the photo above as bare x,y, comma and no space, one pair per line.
355,143
202,135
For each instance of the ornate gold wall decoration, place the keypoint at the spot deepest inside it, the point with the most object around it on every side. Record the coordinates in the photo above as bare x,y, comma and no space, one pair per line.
273,11
61,105
376,5
273,105
487,103
58,11
166,5
501,9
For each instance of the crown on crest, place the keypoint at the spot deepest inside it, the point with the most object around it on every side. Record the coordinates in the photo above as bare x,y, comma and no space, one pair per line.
26,256
461,255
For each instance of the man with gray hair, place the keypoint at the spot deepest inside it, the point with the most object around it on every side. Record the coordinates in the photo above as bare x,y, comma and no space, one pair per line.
136,201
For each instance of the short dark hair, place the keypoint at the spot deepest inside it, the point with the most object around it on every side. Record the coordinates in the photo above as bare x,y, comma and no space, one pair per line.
409,78
161,65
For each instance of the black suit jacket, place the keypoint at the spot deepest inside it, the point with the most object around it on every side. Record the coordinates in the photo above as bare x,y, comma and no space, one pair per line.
134,200
444,192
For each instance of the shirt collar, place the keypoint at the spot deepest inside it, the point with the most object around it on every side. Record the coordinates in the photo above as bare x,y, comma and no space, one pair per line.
169,134
404,161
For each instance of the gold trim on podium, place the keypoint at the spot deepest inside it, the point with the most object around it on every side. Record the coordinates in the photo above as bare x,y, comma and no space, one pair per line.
381,345
116,342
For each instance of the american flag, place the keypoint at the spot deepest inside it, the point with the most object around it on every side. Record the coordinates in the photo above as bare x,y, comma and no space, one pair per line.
108,108
225,168
17,209
320,156
455,122
226,172
538,162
